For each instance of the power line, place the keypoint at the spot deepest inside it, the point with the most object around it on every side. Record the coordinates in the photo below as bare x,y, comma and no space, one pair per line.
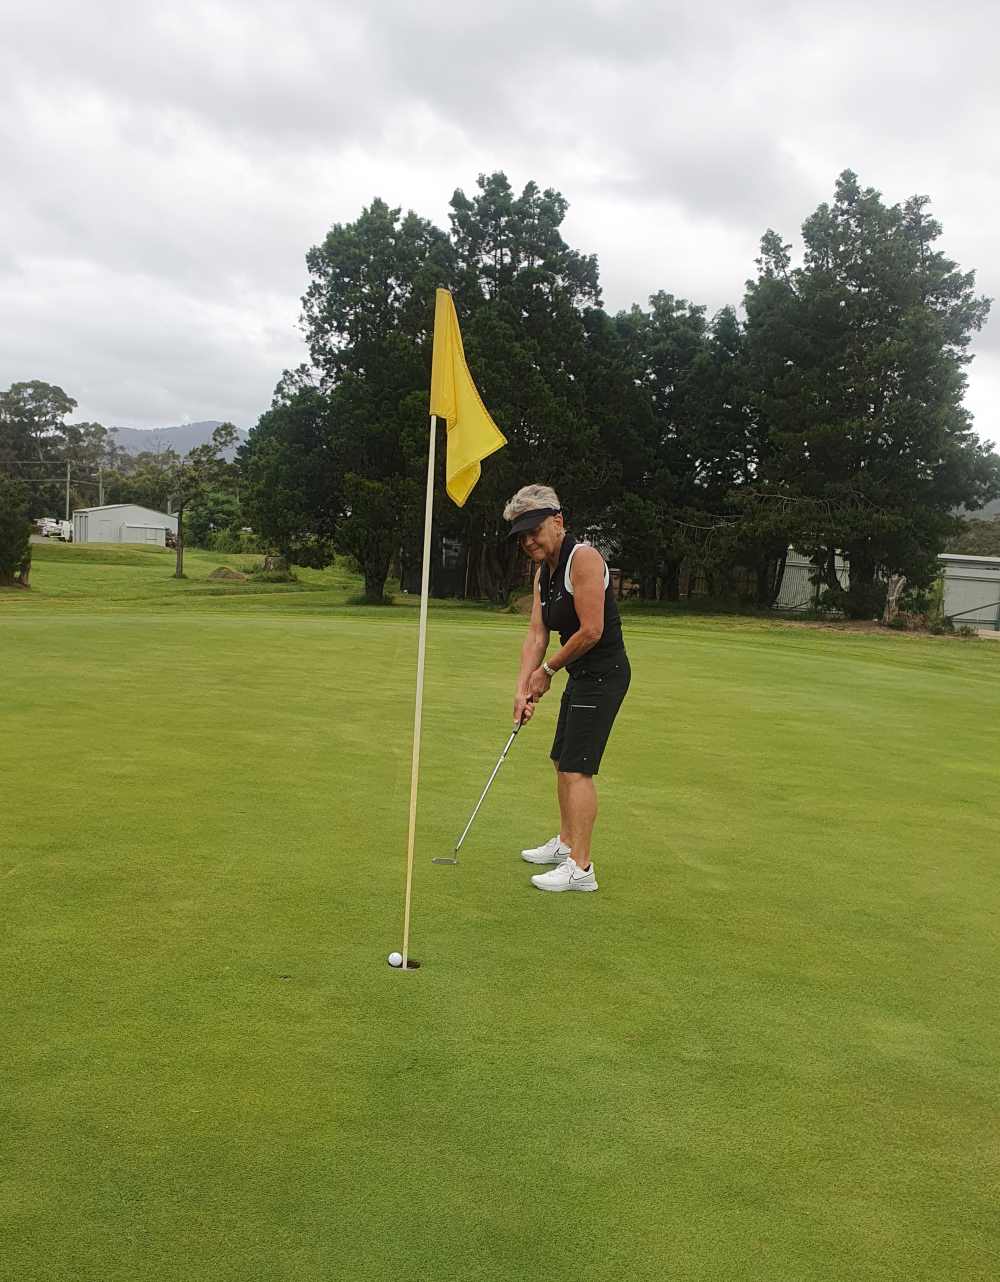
69,479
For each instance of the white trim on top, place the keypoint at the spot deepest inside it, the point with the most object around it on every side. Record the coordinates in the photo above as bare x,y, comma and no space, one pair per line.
569,562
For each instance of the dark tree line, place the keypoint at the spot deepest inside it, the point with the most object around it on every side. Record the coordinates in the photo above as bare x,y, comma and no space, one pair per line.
830,418
827,416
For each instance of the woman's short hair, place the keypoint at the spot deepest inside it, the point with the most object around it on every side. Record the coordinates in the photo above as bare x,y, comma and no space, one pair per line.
530,497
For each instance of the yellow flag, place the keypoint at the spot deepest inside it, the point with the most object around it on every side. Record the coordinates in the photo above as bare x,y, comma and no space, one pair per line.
472,434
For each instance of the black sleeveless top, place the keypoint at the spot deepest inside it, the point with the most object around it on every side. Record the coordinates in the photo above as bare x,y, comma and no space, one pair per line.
559,615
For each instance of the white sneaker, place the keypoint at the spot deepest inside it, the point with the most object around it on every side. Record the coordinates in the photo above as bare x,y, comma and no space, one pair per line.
566,877
553,852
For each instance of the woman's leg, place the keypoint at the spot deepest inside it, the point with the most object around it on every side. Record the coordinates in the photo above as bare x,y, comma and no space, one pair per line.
563,812
578,807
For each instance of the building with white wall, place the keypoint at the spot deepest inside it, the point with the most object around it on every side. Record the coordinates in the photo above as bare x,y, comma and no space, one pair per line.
971,589
122,523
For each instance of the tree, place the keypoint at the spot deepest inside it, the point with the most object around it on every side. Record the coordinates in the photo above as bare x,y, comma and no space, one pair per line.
91,446
144,478
977,538
667,387
201,471
368,314
15,532
40,448
523,296
858,360
33,439
31,420
213,510
673,340
292,482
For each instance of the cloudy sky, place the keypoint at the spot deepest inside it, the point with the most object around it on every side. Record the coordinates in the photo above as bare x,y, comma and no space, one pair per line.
165,167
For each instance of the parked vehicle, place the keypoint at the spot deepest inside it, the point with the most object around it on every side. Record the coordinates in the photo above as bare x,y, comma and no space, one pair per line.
65,531
48,525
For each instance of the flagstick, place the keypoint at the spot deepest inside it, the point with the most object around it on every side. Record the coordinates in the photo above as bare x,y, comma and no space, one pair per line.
425,574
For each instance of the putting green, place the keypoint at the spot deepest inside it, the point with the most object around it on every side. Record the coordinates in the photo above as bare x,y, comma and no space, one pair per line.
766,1049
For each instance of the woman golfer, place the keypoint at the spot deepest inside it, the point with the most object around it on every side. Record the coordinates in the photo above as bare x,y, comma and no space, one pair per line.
572,595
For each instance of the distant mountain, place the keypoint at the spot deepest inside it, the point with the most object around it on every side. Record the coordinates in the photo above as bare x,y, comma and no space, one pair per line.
154,440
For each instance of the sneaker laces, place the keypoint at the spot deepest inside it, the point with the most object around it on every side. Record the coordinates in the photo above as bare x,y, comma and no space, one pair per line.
558,869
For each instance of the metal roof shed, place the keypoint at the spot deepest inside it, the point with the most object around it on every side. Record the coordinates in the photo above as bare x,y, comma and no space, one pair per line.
971,589
122,523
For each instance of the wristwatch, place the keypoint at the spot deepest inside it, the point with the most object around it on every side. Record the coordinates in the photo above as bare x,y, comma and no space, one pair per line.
551,671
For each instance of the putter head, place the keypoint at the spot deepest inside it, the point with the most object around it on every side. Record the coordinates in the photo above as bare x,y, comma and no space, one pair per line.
445,861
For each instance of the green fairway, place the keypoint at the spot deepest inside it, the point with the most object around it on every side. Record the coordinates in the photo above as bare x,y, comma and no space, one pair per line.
767,1048
108,576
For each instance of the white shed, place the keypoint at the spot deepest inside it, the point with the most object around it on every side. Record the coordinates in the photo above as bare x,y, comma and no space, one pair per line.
971,589
122,523
798,592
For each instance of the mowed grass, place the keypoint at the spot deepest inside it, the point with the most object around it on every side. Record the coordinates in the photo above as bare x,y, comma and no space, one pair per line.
767,1048
109,576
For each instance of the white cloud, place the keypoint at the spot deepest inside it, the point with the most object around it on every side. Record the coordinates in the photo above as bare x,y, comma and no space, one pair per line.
167,167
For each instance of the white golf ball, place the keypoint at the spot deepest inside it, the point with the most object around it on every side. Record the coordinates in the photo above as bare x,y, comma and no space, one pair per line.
395,959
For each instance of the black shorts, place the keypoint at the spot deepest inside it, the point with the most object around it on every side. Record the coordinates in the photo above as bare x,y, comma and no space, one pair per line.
587,712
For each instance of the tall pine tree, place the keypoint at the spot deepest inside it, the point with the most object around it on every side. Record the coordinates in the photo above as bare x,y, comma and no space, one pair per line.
858,366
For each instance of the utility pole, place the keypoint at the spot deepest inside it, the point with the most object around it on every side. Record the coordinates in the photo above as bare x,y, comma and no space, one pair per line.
100,487
67,490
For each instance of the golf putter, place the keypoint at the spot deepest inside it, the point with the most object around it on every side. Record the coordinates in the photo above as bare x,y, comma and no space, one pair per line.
454,858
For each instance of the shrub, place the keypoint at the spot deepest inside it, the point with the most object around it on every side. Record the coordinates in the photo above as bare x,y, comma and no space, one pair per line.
312,553
859,601
15,532
273,569
231,539
223,541
934,604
